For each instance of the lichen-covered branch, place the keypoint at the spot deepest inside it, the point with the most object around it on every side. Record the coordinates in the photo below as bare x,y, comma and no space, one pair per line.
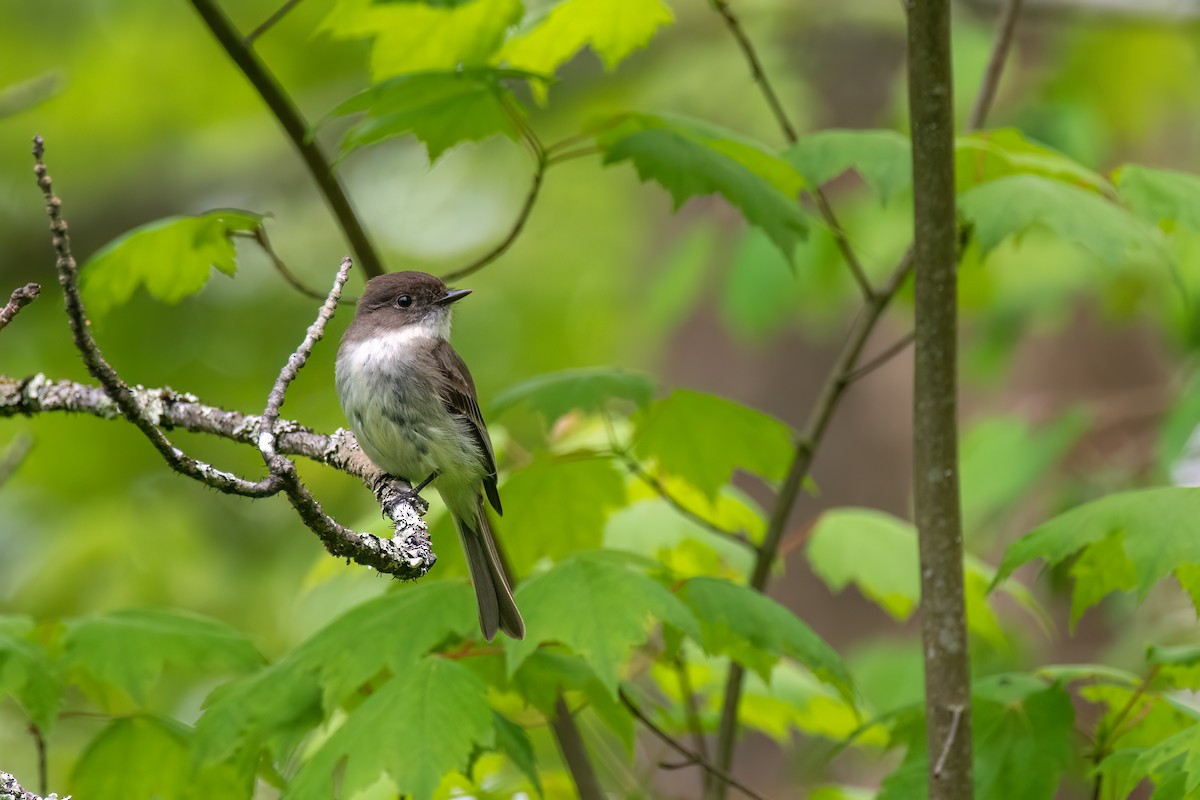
407,554
11,789
20,298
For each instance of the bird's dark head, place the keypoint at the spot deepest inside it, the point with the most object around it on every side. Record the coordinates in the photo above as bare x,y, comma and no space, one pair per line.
409,298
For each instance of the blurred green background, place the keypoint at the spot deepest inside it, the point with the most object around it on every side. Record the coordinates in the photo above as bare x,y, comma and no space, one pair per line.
145,117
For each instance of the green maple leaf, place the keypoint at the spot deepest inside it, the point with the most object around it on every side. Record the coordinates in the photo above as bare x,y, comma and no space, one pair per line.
703,439
27,672
587,390
690,159
985,156
560,507
882,158
754,630
612,28
441,109
1126,541
1161,197
421,37
146,756
597,605
129,649
1012,205
278,704
418,726
171,258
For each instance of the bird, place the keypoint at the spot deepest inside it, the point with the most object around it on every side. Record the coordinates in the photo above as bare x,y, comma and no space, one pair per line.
411,403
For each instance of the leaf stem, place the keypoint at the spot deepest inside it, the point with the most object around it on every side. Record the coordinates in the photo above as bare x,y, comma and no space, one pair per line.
995,66
294,125
270,21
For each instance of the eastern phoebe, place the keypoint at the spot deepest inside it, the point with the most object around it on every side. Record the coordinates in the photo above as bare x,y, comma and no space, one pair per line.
411,403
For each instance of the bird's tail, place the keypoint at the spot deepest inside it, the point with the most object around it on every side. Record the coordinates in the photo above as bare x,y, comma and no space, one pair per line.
497,611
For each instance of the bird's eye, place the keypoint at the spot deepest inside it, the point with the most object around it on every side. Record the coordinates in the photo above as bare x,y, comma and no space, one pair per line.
403,301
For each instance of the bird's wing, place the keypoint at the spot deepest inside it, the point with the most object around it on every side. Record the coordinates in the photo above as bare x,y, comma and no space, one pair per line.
459,397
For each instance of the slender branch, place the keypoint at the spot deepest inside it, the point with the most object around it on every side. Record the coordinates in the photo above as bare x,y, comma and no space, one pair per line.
756,68
296,128
578,152
39,741
723,777
574,753
789,133
957,712
259,235
11,789
102,371
806,448
270,21
20,298
689,705
995,67
878,361
640,472
500,249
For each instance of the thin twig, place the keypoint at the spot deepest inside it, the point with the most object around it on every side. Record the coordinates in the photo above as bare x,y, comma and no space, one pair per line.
689,705
789,132
640,472
20,298
574,753
259,235
500,249
39,741
693,758
578,152
878,361
756,68
102,371
995,66
270,21
955,719
296,128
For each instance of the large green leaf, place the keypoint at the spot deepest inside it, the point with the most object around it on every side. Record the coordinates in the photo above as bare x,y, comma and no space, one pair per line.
559,507
149,757
1126,541
1012,205
985,156
1022,731
882,158
422,724
691,159
597,605
549,672
612,28
878,553
129,649
389,633
441,109
756,631
172,258
419,37
703,439
27,672
588,390
514,742
1161,197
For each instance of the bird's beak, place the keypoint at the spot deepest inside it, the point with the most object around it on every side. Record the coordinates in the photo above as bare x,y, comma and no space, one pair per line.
453,295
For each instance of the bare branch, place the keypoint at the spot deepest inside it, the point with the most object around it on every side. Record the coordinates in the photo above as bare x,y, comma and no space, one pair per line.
259,235
20,298
574,753
691,756
500,249
120,393
956,718
270,21
878,361
995,67
297,130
